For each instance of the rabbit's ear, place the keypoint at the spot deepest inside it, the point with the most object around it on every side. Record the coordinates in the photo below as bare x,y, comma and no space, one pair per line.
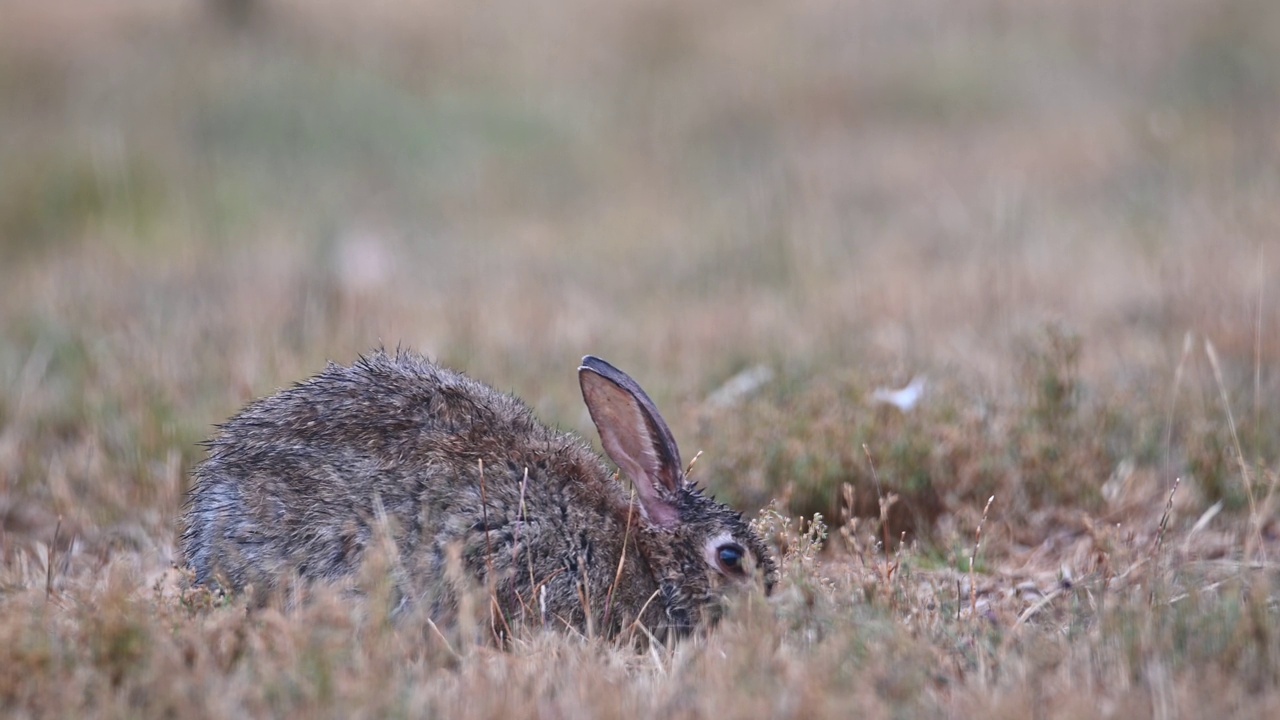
634,436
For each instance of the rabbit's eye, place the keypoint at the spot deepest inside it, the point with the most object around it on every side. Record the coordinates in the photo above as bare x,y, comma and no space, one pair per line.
730,557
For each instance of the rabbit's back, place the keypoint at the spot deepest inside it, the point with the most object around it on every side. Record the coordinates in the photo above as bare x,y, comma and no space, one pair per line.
295,483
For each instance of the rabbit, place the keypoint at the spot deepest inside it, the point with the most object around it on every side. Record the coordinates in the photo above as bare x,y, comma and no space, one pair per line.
294,486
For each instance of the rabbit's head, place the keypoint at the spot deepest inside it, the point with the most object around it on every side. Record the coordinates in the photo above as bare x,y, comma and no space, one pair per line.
698,549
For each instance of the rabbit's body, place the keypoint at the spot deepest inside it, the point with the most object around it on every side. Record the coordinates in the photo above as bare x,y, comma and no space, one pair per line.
297,484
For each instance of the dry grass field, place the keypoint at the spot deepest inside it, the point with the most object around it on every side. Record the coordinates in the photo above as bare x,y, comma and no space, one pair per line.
1064,216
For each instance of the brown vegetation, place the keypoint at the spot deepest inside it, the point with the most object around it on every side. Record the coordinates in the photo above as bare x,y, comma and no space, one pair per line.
1063,215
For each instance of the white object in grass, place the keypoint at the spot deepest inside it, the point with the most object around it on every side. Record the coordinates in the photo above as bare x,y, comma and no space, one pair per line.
904,399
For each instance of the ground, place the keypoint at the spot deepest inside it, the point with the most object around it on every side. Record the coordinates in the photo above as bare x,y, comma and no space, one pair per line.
1060,217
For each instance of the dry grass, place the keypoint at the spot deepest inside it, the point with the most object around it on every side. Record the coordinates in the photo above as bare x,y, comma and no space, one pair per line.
1062,214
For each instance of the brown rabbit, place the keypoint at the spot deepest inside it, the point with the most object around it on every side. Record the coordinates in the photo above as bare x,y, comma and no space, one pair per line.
295,483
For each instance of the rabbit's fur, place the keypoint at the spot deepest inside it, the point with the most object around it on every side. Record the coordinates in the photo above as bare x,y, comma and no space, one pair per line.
297,484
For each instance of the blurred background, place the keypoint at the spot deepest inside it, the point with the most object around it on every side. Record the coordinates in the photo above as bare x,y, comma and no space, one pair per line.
763,211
